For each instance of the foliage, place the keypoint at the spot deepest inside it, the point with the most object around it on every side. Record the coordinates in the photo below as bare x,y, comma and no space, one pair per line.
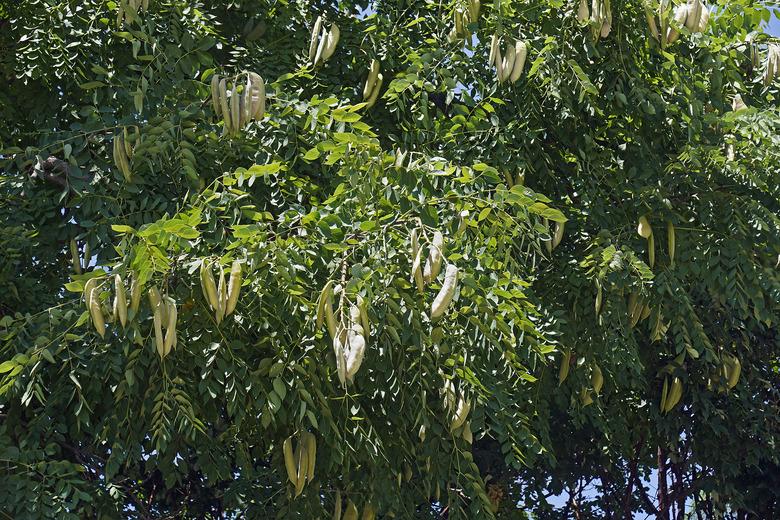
593,135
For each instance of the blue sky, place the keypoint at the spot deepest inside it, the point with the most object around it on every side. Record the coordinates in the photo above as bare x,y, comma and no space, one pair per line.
774,27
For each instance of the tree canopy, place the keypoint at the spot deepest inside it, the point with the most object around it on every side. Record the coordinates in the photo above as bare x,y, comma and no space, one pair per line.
477,287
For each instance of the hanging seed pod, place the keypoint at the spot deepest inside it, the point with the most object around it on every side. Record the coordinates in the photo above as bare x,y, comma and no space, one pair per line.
664,394
325,309
651,251
170,328
310,441
563,372
332,41
289,461
375,92
670,236
596,379
583,13
521,51
447,291
135,295
558,235
120,301
461,413
234,287
158,334
154,302
433,263
215,95
74,256
209,285
96,312
351,512
221,296
373,74
224,107
644,228
315,33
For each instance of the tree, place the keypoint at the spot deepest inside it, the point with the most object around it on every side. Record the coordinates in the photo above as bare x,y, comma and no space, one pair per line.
537,187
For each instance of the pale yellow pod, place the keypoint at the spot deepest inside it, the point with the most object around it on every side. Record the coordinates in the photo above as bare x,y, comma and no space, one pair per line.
234,287
373,74
643,228
120,301
235,109
596,379
435,253
315,33
521,51
583,13
74,256
221,296
209,285
337,506
558,235
303,464
215,95
351,512
375,93
95,311
461,413
447,291
563,372
158,334
289,460
223,105
170,326
670,236
311,448
332,41
135,295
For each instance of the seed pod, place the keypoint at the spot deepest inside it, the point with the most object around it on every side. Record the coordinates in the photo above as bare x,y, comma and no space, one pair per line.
351,512
215,95
369,512
644,228
88,286
235,109
135,295
433,262
583,12
493,49
735,369
651,22
154,302
664,394
671,240
310,442
375,93
158,334
224,108
606,25
170,327
585,397
221,296
461,413
363,308
257,108
507,64
674,395
302,456
598,297
558,235
234,287
417,273
651,251
704,19
646,310
120,301
246,102
332,41
74,256
209,285
95,311
596,379
339,349
325,309
289,460
320,48
563,372
315,33
467,434
521,51
337,505
680,15
447,291
373,74
694,15
474,8
356,347
126,143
